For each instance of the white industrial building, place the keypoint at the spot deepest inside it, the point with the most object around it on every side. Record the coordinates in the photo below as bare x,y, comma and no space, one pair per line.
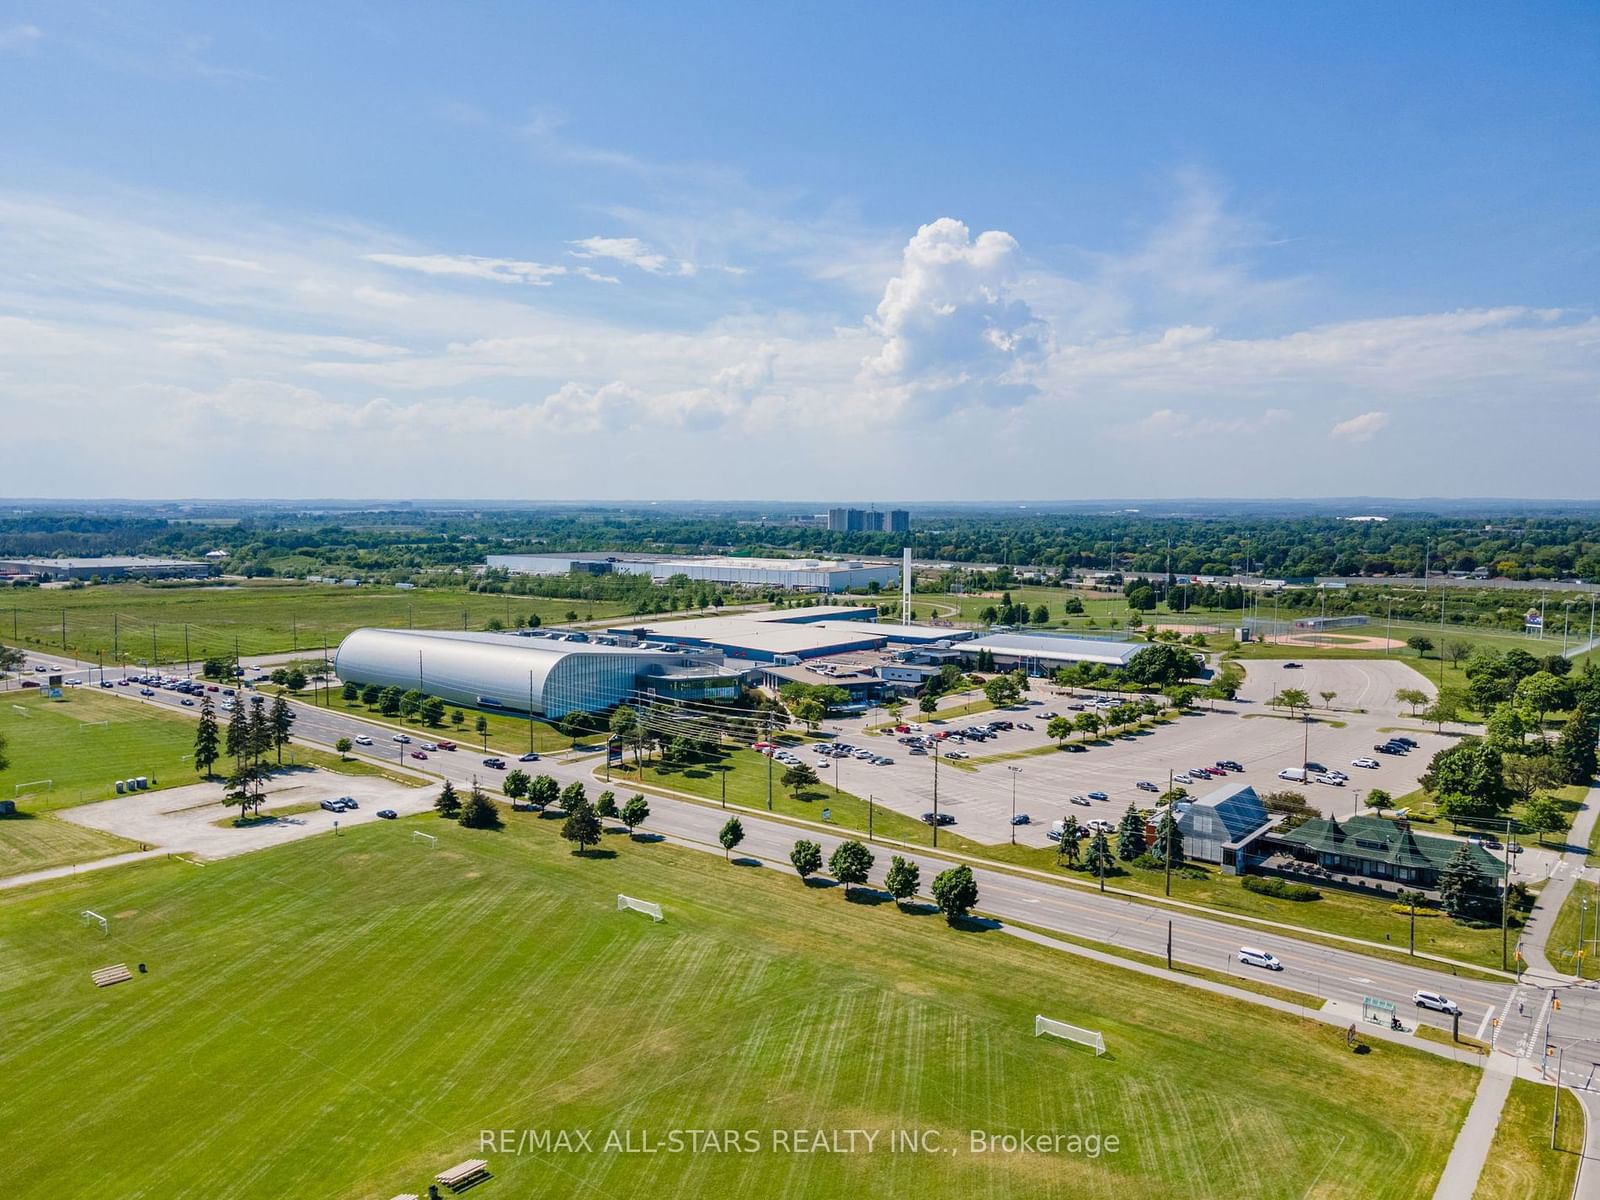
790,574
525,674
1043,653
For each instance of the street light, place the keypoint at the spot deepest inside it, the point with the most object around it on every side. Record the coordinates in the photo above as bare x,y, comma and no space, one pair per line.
1015,771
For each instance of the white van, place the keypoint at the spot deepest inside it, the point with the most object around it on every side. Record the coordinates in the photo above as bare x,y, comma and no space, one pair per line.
1293,774
1252,957
1436,1002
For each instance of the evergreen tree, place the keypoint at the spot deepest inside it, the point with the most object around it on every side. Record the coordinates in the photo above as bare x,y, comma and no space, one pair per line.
1068,845
480,812
1575,749
582,826
1461,885
1169,838
1130,835
1099,858
448,803
207,739
282,721
260,733
237,743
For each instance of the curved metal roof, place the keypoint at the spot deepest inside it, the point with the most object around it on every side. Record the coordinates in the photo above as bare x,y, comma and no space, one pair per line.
496,670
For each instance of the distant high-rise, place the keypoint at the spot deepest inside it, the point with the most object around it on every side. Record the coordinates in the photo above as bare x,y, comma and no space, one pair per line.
862,520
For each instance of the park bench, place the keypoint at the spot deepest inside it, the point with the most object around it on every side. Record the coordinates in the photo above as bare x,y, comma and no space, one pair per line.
463,1175
106,976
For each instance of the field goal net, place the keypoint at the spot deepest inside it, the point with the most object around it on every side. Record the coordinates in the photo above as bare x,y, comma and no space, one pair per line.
37,785
19,708
91,918
1085,1037
83,725
653,911
430,839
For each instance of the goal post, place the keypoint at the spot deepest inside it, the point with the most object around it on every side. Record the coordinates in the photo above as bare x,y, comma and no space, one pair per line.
1073,1033
429,838
653,911
37,785
89,917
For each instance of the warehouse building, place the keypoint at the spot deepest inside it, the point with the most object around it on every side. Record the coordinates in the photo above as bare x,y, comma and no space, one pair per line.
790,574
538,675
47,569
1044,653
789,635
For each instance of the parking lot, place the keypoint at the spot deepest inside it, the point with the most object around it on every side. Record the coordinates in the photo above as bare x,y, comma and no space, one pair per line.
183,819
1247,730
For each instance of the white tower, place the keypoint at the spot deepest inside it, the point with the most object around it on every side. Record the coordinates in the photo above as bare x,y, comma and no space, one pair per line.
905,586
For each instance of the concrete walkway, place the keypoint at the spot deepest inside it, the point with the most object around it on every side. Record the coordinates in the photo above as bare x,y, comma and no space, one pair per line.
1542,921
116,860
1587,1185
1471,1151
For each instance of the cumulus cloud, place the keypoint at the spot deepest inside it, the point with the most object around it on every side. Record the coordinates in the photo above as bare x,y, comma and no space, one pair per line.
952,335
1362,428
499,270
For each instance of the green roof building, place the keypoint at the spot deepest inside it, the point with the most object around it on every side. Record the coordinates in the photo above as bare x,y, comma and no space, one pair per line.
1378,848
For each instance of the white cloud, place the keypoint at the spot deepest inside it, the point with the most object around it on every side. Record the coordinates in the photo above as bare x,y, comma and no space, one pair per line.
1166,422
631,251
19,39
499,270
1360,429
952,336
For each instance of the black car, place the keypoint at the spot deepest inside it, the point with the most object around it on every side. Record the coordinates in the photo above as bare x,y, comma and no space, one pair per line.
387,814
1404,741
1390,748
499,764
942,819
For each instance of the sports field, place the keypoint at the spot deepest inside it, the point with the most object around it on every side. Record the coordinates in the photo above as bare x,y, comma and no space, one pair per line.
35,842
86,741
342,1017
120,620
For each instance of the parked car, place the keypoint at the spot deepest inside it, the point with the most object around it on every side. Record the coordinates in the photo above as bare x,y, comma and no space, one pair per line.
1144,785
333,806
1098,796
349,801
1291,666
955,754
1227,764
1390,748
1020,819
1404,741
1083,800
388,814
943,818
1370,764
1331,780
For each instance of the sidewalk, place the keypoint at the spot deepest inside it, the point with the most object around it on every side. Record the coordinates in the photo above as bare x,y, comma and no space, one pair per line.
116,860
1542,922
1471,1151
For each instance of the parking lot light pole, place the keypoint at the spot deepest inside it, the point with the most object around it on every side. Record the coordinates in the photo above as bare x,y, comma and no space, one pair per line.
1015,771
936,746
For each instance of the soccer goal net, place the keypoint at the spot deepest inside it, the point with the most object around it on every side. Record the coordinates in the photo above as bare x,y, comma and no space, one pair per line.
38,785
24,712
653,911
84,726
1072,1033
91,918
429,838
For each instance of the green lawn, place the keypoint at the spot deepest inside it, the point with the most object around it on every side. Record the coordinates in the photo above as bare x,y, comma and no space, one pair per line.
1349,914
36,842
342,1017
62,740
1521,1164
264,617
1563,943
506,732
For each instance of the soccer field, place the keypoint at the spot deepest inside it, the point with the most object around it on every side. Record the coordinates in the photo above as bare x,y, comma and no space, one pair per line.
341,1018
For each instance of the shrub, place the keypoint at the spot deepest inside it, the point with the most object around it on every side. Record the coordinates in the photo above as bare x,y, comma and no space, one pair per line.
1281,888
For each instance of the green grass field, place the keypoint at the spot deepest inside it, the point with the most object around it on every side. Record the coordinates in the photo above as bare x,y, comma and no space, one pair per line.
1521,1164
265,617
342,1018
1563,943
62,740
33,842
507,733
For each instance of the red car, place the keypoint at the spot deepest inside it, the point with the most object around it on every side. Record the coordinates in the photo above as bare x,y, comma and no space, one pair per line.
419,754
444,745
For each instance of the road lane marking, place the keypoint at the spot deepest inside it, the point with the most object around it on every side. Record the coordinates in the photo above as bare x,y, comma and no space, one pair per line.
1483,1028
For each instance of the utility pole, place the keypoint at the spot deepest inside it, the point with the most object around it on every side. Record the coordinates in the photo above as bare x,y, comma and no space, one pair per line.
114,654
63,631
936,793
1169,945
1171,827
530,728
187,667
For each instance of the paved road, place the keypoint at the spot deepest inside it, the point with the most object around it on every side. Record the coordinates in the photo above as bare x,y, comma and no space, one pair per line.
1323,971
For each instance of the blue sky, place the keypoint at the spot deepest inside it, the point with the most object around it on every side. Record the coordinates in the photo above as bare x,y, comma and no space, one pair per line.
855,252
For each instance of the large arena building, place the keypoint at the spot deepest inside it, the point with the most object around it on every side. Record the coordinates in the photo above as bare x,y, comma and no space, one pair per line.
527,674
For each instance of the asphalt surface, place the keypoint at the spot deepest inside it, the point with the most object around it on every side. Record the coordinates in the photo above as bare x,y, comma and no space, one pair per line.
1515,1018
